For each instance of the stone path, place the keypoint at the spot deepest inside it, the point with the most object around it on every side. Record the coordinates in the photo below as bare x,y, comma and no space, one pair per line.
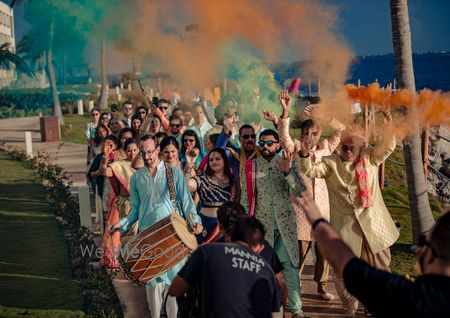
72,157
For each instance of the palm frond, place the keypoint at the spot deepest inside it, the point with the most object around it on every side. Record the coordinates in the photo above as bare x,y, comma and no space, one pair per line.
9,61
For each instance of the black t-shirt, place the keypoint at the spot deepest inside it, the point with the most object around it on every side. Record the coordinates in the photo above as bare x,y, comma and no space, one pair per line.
235,281
268,254
389,295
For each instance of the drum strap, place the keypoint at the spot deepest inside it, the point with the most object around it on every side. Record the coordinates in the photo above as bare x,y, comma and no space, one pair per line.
172,190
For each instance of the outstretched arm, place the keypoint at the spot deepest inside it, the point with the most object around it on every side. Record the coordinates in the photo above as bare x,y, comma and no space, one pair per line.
305,164
387,146
286,141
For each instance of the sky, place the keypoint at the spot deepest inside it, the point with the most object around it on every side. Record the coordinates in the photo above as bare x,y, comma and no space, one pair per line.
366,25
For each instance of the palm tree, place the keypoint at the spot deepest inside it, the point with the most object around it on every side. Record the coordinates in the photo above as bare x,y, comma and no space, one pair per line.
9,61
421,216
103,100
51,76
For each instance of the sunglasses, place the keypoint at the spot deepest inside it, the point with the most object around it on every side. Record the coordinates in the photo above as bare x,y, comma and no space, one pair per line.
188,140
269,143
346,148
143,112
163,107
251,136
150,152
175,125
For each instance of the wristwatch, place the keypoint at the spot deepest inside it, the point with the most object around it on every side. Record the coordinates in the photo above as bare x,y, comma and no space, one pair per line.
317,222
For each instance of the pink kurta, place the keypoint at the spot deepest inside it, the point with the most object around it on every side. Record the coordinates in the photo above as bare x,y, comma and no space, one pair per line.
316,186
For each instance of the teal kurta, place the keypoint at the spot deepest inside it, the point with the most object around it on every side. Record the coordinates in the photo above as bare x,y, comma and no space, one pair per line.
150,203
273,203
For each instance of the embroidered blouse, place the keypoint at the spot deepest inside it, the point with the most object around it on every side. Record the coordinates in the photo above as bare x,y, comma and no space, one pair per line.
213,193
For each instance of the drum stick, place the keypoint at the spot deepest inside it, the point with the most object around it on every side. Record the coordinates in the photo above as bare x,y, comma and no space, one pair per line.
140,84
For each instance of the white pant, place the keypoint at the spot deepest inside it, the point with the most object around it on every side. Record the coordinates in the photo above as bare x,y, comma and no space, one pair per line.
155,299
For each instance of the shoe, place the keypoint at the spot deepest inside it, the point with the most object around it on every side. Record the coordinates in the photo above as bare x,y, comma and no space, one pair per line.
324,295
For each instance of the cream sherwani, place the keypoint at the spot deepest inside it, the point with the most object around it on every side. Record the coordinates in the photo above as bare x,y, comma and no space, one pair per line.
348,218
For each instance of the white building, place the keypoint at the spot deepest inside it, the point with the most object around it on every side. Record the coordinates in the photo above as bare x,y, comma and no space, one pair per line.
7,36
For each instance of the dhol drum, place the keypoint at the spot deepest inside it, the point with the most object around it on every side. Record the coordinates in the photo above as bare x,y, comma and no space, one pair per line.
157,249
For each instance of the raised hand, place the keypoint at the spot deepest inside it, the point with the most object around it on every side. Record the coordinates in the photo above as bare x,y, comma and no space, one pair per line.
285,164
285,99
308,111
270,116
229,122
191,156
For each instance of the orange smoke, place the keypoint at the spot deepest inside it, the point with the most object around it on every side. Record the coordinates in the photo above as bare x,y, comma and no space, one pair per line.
427,107
188,39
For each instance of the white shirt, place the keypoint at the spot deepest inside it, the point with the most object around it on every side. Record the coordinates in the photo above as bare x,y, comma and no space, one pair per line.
201,130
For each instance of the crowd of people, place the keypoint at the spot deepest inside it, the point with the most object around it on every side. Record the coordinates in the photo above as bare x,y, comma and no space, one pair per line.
258,201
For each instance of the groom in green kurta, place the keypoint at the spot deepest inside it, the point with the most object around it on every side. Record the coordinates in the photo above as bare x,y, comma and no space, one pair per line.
272,206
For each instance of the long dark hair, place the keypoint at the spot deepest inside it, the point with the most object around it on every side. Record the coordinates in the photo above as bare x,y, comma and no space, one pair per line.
190,133
97,138
123,131
169,140
226,165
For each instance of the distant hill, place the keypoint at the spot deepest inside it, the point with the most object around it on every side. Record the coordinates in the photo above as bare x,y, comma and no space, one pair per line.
431,70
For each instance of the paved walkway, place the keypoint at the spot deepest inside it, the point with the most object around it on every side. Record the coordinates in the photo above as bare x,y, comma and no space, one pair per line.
72,157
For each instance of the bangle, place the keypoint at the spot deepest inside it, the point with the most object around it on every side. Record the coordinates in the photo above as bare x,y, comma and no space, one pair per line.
187,170
317,222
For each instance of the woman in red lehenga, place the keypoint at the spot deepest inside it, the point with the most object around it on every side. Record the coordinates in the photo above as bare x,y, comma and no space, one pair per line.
119,173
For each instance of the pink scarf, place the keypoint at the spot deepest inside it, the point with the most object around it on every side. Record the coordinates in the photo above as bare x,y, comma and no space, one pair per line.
362,177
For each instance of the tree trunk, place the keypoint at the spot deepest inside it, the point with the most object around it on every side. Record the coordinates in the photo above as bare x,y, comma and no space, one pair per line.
51,76
103,101
421,216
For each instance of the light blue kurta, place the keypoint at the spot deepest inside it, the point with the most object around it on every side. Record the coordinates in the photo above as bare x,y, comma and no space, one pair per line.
150,203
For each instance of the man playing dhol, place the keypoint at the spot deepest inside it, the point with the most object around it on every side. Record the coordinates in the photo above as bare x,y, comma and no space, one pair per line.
150,203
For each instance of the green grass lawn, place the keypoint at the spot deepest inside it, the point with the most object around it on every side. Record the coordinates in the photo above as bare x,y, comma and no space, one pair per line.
74,127
35,271
396,199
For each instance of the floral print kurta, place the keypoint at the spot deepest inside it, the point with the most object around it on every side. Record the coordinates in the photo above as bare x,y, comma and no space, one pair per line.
273,204
316,186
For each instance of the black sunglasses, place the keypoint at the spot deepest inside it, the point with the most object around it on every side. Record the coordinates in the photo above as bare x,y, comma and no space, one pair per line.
143,112
175,125
163,107
251,136
188,140
269,143
346,148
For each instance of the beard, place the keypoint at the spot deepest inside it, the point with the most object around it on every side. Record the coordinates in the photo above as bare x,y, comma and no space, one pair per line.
267,153
148,163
